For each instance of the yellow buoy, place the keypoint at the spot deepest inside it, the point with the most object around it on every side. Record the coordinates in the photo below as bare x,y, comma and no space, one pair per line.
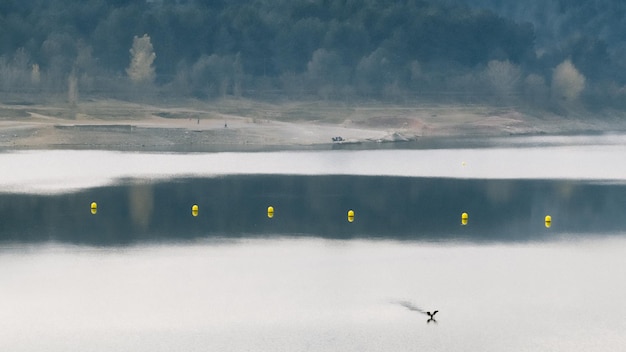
548,221
464,218
270,212
94,208
194,210
350,215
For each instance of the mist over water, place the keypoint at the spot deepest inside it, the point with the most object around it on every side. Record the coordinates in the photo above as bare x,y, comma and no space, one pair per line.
144,274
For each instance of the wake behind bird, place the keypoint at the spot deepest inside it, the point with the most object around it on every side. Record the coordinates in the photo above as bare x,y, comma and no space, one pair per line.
412,307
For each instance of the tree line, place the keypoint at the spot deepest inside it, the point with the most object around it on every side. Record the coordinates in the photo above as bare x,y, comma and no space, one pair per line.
331,49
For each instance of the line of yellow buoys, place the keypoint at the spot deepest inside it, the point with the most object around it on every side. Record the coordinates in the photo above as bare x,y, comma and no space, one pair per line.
351,217
270,214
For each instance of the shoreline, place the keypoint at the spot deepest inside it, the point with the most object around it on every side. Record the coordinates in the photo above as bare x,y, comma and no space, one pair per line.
243,125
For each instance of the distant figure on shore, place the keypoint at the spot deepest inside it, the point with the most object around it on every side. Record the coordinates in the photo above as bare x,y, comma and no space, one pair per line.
225,124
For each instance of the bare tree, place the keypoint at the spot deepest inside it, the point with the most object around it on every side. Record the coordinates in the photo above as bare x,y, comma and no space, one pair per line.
35,75
72,89
212,75
141,69
237,76
326,73
15,72
504,77
567,82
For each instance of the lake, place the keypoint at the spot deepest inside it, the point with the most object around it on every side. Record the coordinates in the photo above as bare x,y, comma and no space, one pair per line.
144,274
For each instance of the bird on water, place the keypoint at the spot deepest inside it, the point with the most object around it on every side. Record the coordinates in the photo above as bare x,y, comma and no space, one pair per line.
432,316
411,306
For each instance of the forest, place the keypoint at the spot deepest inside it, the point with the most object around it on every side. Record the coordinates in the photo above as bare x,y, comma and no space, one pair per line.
543,54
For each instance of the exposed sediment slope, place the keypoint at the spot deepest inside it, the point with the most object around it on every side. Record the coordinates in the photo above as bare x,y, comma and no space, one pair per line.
231,124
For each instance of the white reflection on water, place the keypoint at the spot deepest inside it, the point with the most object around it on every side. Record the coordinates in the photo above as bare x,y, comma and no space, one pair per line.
61,171
316,295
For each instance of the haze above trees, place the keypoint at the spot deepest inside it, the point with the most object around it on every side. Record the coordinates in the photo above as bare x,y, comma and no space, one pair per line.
543,54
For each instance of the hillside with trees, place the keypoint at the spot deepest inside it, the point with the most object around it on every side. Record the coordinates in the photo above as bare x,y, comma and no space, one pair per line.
472,51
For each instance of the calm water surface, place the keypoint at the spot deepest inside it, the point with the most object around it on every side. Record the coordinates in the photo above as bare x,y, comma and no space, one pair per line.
311,294
143,274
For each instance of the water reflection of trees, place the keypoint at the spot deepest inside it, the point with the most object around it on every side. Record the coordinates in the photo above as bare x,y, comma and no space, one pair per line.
385,207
